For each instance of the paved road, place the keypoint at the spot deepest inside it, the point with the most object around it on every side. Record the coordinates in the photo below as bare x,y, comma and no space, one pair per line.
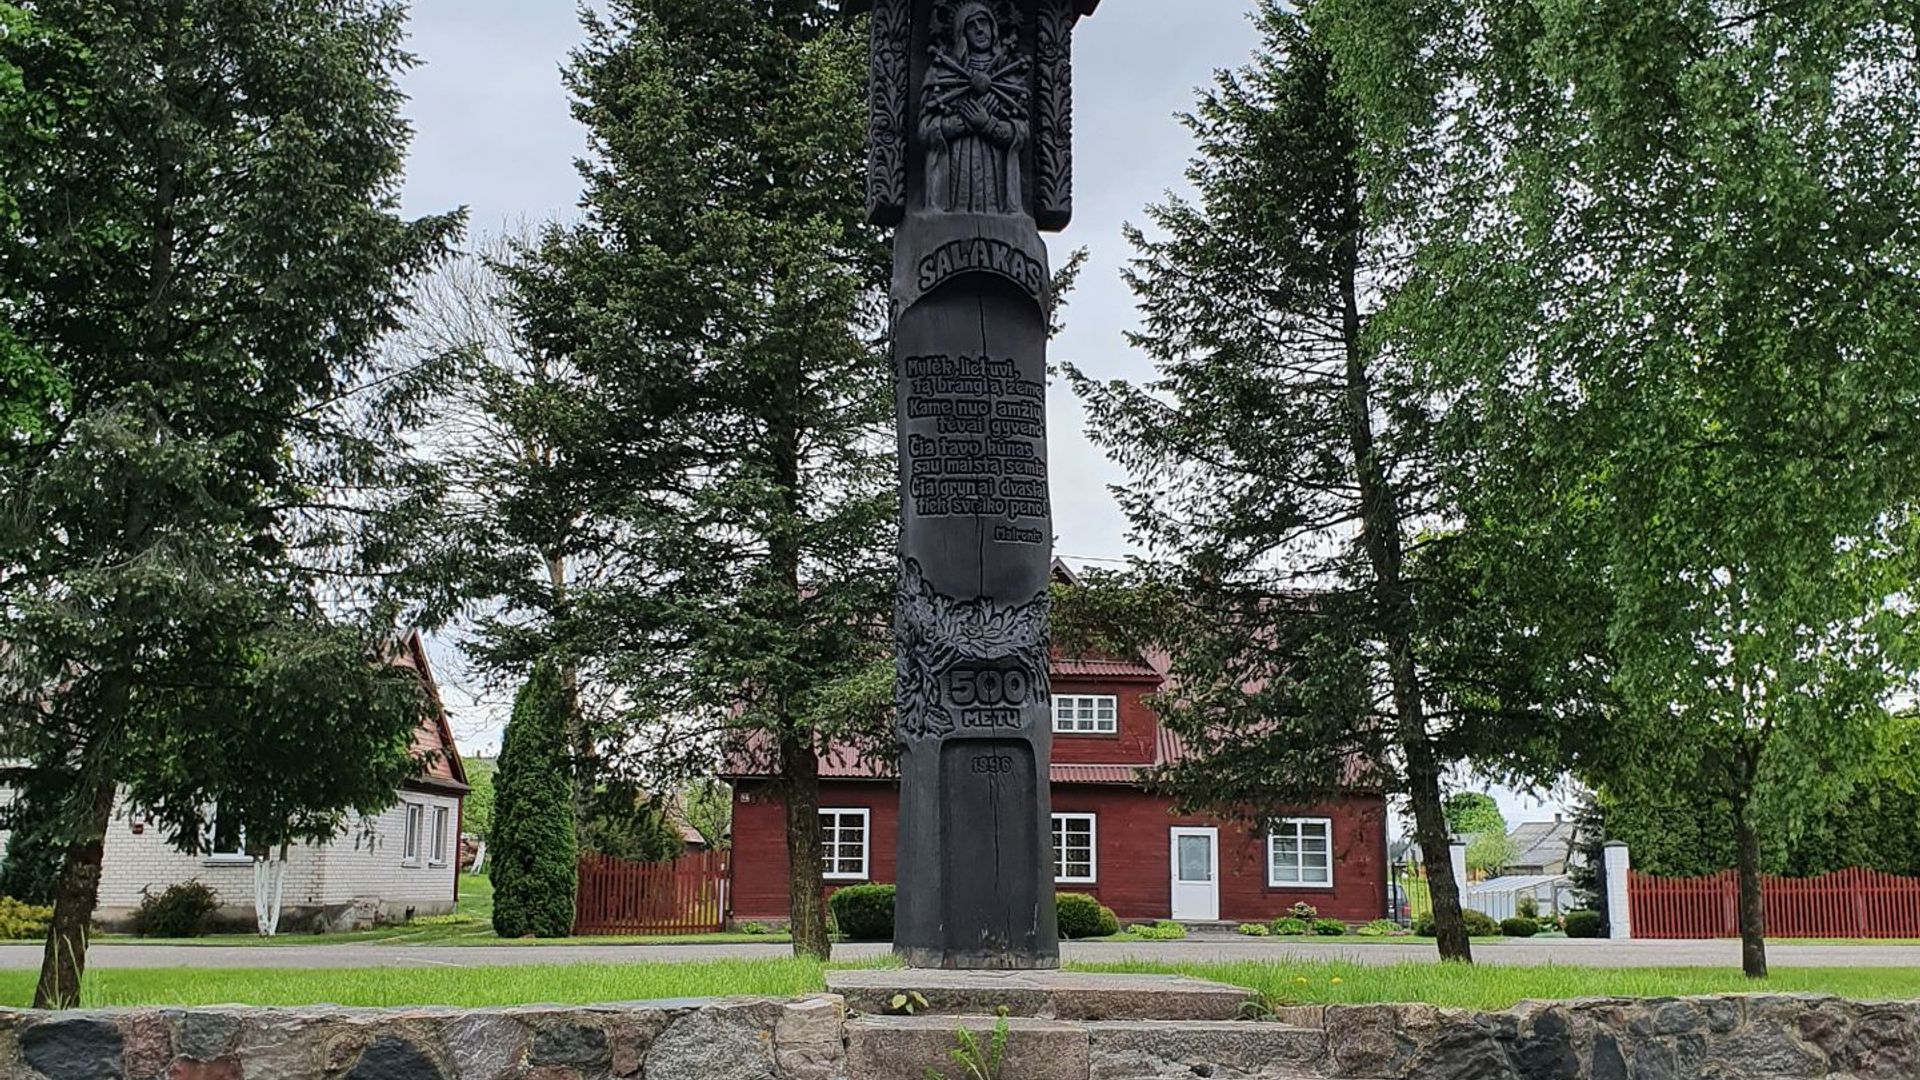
1556,951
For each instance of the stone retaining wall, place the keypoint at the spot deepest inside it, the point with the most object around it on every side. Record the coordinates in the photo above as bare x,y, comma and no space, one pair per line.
1749,1038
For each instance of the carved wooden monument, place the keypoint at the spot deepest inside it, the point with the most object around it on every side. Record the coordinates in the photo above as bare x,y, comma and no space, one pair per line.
971,157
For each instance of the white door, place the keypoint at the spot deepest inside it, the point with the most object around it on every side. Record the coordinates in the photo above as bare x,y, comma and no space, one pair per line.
1196,874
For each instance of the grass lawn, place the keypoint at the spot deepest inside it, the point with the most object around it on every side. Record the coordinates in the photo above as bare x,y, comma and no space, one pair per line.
470,924
1497,987
1280,982
572,984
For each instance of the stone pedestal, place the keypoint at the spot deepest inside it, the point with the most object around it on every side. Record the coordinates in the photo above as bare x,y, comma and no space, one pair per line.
1045,995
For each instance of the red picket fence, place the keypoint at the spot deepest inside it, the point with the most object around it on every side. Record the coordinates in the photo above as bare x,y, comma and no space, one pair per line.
1853,903
685,896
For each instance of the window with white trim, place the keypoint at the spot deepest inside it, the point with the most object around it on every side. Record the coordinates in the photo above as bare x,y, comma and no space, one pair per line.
1086,714
1300,852
441,816
843,844
222,840
410,836
1075,859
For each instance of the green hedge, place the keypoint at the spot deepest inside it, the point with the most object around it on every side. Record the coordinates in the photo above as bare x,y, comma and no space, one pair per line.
863,912
1519,926
1585,924
1479,924
1081,916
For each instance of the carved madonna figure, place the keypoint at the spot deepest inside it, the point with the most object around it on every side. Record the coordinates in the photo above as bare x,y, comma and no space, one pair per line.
973,117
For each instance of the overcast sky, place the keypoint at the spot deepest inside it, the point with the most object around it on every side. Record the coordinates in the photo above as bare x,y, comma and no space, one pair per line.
493,134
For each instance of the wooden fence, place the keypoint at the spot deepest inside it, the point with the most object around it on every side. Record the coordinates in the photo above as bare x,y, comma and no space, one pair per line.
1849,904
685,896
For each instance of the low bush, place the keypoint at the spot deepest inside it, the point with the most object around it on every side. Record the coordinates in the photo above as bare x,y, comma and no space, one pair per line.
21,921
1159,931
1329,927
1109,922
1288,926
1479,924
1519,926
182,910
1304,911
1585,924
1254,929
1382,928
1079,916
1527,907
863,912
755,928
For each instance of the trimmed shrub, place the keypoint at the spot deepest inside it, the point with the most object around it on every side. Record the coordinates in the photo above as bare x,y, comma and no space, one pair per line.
1479,924
1109,922
863,912
1381,928
1585,924
1288,926
1164,930
1255,929
1519,926
21,921
1079,915
1329,927
534,843
182,910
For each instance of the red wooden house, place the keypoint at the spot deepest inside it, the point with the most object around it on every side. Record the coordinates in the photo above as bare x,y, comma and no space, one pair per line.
1112,838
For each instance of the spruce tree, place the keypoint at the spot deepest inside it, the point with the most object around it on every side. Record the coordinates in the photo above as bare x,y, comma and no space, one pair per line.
1283,482
533,849
200,249
725,300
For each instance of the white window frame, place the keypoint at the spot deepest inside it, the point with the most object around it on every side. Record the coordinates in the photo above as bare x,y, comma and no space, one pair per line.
830,857
413,825
442,822
1093,849
1067,718
1297,825
208,831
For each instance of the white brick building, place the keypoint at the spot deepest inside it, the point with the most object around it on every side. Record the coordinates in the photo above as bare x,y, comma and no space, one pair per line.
397,865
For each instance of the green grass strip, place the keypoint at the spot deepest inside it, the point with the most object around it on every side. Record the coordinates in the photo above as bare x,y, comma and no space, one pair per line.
1280,982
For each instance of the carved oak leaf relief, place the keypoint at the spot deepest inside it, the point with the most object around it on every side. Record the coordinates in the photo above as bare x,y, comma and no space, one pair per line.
934,632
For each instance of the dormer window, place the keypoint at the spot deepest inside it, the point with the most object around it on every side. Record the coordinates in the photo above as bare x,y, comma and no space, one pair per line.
1086,714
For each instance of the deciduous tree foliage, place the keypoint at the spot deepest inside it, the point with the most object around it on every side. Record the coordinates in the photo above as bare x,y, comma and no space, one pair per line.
1685,234
1283,479
203,253
532,847
725,301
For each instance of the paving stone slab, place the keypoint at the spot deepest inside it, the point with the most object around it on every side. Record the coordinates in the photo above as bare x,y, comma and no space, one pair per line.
1056,995
916,1047
1220,1050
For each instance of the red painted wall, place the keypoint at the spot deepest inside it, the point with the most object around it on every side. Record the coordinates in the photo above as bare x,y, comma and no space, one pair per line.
1132,850
1133,745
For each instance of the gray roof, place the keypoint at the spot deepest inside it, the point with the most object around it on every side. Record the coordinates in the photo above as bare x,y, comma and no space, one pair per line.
1541,843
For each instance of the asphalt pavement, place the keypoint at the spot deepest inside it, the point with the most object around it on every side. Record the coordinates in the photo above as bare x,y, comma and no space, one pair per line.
1581,953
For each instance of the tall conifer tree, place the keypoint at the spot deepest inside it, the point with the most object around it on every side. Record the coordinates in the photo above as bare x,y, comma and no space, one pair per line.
725,301
532,842
1282,479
